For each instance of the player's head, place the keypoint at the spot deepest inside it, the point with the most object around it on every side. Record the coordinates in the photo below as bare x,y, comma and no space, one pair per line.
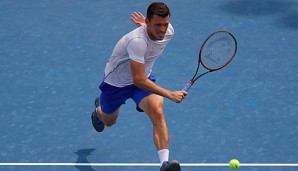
158,8
158,19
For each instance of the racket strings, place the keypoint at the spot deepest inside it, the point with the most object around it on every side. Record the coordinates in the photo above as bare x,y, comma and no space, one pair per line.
218,50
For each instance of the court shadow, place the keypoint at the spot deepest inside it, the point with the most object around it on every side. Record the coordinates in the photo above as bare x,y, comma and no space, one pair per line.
289,20
285,11
82,158
256,7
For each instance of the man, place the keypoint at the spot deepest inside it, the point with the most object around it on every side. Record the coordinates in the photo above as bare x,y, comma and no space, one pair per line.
128,75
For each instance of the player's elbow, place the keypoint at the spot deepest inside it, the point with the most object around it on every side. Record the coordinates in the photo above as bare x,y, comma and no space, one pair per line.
138,81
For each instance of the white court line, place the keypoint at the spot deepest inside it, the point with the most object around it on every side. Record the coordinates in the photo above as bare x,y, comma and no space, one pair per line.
152,164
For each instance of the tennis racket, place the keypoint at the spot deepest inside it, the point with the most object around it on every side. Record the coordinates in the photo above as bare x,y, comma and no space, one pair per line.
217,51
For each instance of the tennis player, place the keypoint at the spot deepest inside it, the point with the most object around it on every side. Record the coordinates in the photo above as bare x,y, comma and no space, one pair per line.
128,75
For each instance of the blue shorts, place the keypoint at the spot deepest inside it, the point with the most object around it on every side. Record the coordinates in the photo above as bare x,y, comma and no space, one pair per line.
113,97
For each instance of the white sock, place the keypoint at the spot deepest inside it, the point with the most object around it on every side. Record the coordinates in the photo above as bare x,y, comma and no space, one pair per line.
163,155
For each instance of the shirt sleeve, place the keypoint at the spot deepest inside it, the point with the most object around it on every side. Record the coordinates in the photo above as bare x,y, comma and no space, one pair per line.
136,49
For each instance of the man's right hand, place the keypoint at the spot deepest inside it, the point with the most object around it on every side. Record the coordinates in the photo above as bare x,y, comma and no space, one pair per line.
178,96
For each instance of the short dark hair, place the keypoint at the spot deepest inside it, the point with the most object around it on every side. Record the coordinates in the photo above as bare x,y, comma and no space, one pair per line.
158,8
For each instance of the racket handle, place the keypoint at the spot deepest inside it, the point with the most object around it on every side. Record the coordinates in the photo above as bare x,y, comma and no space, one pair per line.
187,87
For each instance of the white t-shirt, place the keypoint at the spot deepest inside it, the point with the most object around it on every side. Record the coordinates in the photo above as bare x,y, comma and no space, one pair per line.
136,46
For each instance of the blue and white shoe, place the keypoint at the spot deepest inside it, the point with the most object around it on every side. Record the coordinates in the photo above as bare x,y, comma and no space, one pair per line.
96,122
170,166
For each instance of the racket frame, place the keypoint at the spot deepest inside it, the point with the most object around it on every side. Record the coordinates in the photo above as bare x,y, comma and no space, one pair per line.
195,77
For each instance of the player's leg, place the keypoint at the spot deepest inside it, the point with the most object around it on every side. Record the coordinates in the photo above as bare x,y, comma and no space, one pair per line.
152,105
111,99
100,119
107,119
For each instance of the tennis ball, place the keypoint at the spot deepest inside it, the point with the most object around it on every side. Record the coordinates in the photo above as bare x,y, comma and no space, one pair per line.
234,164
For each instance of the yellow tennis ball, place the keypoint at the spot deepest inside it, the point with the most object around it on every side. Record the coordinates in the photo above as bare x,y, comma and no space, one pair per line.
234,164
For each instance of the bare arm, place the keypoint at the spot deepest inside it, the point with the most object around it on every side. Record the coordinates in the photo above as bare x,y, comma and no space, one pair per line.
139,79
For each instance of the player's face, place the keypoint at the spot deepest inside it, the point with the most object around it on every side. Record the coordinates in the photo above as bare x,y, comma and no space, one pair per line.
157,27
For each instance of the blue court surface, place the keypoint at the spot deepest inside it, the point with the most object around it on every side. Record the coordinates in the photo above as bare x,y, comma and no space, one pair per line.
52,58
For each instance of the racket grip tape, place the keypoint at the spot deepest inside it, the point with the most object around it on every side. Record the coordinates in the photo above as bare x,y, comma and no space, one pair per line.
187,87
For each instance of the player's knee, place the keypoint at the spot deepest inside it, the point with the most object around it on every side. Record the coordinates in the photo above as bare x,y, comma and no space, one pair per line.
157,113
158,119
109,122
